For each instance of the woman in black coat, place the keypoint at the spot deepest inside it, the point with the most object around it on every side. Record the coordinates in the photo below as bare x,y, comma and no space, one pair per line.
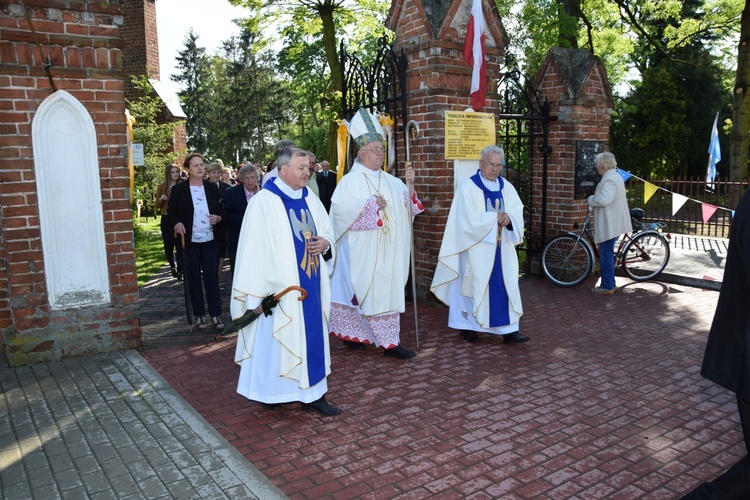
195,210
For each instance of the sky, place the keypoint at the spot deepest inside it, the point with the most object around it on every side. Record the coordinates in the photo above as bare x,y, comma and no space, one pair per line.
212,21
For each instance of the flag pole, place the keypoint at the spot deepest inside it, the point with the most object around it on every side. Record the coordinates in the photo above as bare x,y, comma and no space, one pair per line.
414,129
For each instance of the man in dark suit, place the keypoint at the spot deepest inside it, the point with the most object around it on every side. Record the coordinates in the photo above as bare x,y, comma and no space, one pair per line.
235,202
329,178
316,183
725,361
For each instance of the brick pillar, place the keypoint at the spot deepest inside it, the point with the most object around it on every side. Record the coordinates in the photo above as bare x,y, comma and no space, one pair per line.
431,35
84,41
575,84
140,42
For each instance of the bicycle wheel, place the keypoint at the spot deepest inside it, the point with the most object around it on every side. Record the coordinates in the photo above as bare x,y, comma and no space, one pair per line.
645,256
567,261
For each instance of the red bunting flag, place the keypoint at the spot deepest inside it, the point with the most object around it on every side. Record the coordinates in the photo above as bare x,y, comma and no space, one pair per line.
474,55
708,211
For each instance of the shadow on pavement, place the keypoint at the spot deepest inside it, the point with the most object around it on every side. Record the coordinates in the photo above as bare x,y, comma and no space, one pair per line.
605,401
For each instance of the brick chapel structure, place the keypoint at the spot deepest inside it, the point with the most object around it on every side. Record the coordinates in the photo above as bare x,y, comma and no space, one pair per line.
68,283
92,48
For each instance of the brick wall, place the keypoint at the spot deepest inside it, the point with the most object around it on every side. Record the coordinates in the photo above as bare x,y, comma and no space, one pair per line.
438,80
84,40
179,141
140,42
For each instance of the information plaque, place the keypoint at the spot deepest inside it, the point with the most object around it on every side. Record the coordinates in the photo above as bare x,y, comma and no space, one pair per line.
467,133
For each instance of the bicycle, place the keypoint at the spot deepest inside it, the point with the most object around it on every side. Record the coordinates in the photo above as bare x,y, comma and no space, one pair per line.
568,259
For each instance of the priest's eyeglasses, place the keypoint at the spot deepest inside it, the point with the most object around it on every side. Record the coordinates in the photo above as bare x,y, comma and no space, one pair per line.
493,165
375,151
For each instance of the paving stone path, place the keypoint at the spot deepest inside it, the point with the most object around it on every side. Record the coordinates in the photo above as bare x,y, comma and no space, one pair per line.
605,401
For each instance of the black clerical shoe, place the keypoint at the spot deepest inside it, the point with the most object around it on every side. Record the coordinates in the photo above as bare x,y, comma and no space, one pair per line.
322,407
514,338
470,336
271,406
355,346
399,352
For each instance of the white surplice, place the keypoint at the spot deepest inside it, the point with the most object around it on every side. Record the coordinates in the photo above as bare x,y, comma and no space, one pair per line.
373,248
467,256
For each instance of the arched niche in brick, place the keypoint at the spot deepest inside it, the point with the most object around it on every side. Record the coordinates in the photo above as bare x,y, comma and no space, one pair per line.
66,165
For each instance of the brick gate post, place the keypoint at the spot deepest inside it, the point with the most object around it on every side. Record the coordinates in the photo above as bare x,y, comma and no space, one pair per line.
575,84
431,35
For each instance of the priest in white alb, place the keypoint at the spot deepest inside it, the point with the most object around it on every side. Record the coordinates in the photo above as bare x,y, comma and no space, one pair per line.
477,269
371,211
284,356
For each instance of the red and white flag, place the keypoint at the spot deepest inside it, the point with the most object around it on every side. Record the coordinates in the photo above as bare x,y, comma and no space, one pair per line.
474,55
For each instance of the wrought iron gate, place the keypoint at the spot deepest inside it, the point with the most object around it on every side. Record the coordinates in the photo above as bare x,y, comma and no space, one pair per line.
379,85
524,123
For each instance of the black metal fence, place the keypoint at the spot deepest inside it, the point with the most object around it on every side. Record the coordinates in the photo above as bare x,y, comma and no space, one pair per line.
689,218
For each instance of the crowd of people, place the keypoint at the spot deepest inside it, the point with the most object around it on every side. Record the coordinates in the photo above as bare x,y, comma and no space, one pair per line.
347,245
344,248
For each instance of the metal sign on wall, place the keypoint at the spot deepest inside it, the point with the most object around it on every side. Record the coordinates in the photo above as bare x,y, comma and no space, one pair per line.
586,175
138,154
467,133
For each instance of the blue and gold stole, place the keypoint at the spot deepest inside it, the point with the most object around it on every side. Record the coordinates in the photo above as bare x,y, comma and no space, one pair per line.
498,295
303,228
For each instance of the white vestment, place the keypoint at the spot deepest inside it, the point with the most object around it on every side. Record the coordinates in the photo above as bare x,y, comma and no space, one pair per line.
373,248
272,349
467,256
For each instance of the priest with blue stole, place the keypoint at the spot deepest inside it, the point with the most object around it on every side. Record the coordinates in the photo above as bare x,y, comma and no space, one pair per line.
284,356
477,269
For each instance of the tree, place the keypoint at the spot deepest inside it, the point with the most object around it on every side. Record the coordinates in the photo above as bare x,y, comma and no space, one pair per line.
156,139
362,19
666,60
682,87
237,102
195,77
740,135
252,99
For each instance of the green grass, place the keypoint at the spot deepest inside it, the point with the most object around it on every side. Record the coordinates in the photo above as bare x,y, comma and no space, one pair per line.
149,250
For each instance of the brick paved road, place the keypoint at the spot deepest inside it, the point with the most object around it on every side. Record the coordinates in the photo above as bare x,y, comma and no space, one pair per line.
606,401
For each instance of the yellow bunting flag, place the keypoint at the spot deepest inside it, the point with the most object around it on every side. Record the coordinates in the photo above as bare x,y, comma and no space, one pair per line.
708,211
648,191
677,201
342,139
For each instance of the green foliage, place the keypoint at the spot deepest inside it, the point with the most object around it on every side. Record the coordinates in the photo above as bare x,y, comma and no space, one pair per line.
156,139
670,64
195,77
309,32
149,249
237,102
248,81
651,129
663,125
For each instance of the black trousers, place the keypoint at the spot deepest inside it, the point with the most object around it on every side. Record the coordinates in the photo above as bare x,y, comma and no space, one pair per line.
735,482
167,237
